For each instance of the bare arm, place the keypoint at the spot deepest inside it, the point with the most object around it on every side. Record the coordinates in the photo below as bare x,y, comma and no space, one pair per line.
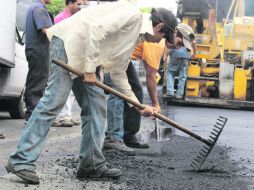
44,30
193,44
152,86
165,54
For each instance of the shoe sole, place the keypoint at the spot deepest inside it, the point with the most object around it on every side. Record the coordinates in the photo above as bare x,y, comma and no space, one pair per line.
56,126
137,146
75,123
101,176
128,153
124,152
30,180
66,126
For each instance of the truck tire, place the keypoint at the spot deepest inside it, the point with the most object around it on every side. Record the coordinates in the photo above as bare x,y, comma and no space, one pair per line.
17,107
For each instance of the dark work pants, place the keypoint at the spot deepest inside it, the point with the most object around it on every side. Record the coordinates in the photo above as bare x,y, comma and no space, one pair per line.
132,119
37,76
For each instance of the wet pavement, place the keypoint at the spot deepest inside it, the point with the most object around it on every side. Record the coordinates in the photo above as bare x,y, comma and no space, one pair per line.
164,165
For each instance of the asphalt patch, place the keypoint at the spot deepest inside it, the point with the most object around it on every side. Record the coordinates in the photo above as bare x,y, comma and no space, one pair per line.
169,168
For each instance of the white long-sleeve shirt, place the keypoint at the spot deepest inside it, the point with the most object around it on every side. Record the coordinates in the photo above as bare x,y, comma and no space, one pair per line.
103,35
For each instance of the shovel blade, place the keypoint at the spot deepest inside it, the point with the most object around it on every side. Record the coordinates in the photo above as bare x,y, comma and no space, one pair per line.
162,134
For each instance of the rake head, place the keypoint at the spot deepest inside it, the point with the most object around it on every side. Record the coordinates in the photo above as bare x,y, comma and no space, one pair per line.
213,137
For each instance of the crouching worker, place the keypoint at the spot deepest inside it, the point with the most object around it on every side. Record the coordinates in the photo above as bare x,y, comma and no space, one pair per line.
103,35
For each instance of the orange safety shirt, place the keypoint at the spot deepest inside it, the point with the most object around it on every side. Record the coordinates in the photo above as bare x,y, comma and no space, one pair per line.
151,53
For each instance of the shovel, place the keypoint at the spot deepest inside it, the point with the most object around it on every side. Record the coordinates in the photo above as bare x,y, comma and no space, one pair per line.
159,134
209,143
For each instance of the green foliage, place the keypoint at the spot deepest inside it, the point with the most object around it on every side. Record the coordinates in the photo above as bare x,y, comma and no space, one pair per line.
56,6
145,9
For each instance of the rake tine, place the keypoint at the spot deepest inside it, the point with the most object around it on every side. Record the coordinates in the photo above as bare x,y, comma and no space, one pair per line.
217,127
221,124
197,160
213,137
202,154
194,165
215,134
199,157
205,148
223,118
216,131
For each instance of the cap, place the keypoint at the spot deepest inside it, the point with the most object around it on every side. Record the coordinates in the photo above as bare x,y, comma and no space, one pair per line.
169,20
187,33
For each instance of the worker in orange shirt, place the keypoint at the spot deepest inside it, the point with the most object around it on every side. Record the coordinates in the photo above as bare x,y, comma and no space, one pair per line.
124,122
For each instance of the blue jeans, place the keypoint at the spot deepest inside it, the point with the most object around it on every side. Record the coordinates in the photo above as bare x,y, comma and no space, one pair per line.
115,111
92,101
171,73
124,121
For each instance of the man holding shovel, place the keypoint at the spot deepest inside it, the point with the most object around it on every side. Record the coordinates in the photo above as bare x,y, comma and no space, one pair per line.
103,35
124,121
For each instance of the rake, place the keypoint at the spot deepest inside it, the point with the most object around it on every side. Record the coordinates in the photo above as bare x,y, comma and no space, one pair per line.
209,143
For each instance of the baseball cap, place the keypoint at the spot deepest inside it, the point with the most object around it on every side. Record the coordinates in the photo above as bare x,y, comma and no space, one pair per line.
169,20
187,33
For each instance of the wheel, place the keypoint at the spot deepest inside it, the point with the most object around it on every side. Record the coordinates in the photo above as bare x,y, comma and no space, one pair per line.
17,107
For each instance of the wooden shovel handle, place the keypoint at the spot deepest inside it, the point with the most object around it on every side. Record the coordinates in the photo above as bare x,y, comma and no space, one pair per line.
129,100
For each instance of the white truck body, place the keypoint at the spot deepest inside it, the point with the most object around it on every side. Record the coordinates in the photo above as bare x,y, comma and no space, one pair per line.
7,34
13,64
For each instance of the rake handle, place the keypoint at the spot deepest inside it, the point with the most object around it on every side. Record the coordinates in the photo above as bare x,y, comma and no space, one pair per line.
129,100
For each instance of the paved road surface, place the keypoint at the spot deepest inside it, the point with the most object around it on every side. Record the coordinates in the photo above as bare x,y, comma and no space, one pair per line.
163,166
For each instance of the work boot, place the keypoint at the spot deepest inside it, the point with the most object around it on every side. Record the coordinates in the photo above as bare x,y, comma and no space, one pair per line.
179,97
171,96
2,136
29,176
132,142
120,146
66,123
75,122
100,173
56,124
136,144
